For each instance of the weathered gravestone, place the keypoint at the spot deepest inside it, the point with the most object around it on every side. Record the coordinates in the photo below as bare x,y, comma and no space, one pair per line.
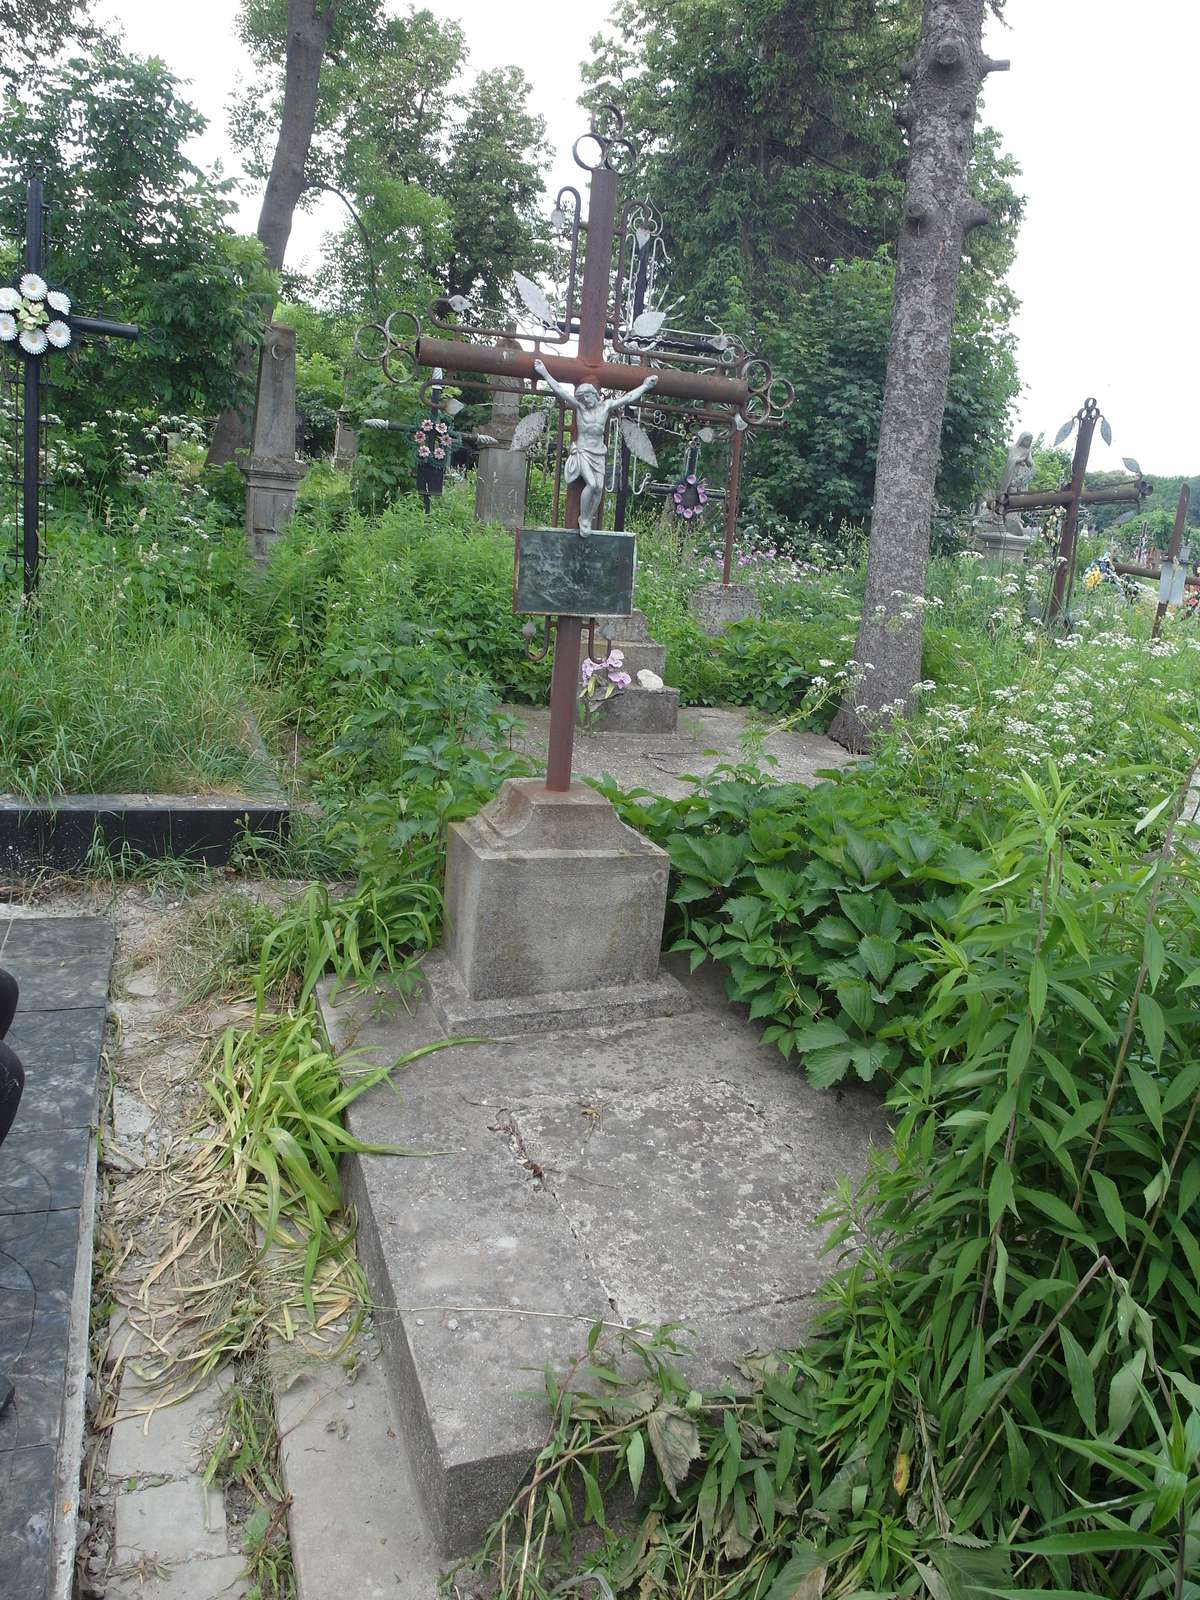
273,472
345,442
501,472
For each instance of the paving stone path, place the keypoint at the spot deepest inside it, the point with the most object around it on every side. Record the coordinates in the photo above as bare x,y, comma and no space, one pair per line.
47,1201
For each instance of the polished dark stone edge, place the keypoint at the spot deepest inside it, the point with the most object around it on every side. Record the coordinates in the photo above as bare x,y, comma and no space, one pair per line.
61,834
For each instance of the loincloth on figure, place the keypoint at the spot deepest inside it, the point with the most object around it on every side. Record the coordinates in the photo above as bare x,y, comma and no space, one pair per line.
586,464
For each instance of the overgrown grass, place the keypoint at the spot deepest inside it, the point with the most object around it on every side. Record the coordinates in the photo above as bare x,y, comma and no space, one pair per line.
102,692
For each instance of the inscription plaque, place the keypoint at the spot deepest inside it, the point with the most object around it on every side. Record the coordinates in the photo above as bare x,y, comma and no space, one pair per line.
559,573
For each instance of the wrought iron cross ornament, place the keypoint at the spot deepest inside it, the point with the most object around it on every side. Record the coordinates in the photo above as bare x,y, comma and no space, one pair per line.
36,320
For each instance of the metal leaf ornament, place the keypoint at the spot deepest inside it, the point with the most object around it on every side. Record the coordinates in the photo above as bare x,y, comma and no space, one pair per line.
1105,430
1063,432
648,325
529,430
535,300
1131,465
637,441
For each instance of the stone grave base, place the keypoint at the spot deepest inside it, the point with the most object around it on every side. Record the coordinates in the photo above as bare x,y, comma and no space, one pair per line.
635,710
665,1170
716,605
500,486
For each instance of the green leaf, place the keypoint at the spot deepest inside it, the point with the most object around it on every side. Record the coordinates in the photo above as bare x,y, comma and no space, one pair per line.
1154,811
1090,1542
1123,1394
593,1499
1000,1193
764,1500
1153,1027
1079,1375
558,1511
878,954
1109,1197
1037,988
1146,1090
1018,1050
785,1454
635,1459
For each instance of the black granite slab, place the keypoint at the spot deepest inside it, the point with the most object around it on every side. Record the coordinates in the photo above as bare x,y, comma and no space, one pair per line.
200,828
62,965
27,1485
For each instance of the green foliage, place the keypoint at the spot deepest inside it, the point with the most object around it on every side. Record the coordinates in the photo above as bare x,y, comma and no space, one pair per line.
996,1396
816,901
138,232
117,678
770,145
833,347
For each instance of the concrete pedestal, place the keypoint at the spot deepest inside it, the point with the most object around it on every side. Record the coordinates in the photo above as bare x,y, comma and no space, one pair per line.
635,710
500,487
716,605
270,500
553,908
1002,550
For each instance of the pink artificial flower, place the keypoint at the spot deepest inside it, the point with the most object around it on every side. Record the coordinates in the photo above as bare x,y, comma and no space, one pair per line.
616,660
441,428
691,477
423,451
620,680
439,454
419,436
427,424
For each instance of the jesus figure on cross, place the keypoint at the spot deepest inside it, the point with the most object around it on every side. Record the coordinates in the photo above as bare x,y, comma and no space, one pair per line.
589,448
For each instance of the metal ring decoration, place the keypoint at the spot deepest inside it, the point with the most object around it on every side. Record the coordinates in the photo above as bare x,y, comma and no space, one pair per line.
394,346
606,144
770,396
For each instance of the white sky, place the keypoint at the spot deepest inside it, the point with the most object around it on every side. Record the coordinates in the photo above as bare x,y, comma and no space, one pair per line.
1098,109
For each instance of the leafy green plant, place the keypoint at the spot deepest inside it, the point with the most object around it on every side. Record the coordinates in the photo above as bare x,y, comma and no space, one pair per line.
997,1396
814,901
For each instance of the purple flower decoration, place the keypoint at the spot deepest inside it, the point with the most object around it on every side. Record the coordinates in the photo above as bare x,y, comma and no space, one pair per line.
620,680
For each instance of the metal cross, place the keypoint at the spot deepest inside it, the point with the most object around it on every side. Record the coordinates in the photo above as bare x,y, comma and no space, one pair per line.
43,321
742,392
1173,576
1071,497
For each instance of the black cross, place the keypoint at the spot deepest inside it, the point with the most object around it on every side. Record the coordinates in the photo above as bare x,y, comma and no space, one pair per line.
40,338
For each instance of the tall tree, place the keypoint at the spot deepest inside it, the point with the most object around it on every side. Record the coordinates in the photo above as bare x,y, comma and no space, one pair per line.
946,77
769,142
138,231
309,23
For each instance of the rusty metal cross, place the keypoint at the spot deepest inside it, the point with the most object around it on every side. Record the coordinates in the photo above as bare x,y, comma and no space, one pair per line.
741,393
1071,497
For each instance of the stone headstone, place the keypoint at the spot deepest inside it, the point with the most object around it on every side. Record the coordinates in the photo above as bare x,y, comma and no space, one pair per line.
716,605
501,474
273,472
345,442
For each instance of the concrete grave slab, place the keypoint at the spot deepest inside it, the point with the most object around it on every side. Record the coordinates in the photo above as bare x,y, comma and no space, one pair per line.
707,737
668,1170
26,1502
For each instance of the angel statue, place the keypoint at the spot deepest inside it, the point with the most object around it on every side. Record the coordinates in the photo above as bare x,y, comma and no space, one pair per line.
1018,467
589,448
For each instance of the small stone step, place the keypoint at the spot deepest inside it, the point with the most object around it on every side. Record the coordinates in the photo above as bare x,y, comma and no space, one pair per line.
637,710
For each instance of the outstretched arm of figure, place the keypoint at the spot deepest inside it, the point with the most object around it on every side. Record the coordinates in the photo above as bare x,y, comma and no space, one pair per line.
553,384
635,395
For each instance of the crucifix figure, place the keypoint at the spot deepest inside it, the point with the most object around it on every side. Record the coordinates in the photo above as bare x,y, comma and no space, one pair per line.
589,447
36,320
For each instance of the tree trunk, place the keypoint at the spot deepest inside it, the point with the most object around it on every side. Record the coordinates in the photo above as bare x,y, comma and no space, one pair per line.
946,76
308,32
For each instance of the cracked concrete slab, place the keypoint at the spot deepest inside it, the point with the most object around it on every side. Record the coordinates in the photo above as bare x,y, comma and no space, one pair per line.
665,1171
